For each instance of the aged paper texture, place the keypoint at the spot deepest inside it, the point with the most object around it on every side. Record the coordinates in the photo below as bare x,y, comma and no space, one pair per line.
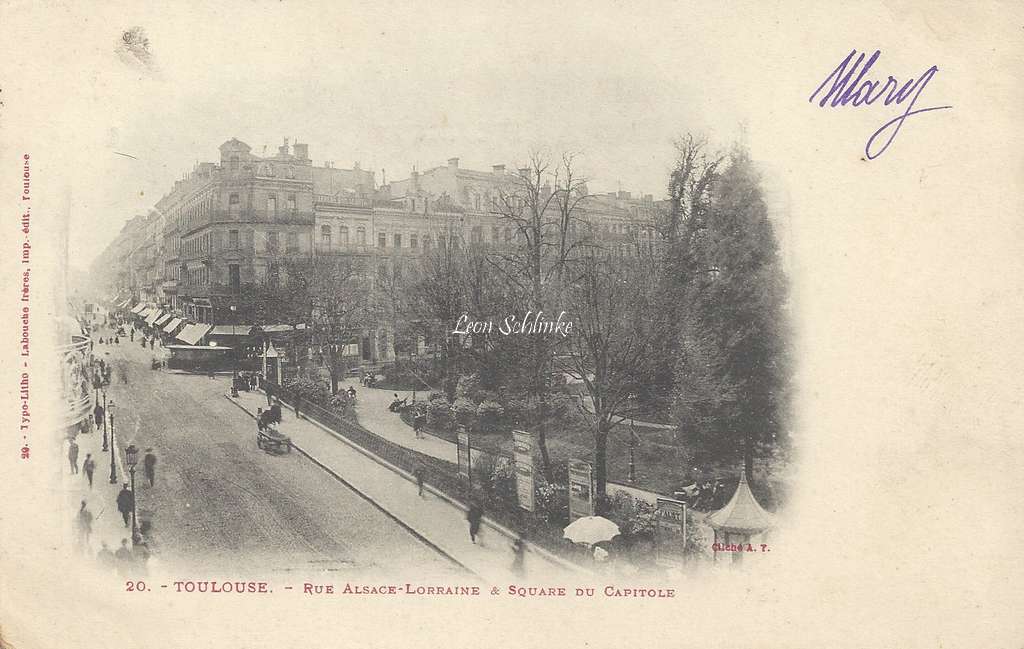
604,324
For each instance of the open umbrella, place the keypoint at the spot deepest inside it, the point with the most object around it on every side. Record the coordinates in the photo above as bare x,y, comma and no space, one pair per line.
591,530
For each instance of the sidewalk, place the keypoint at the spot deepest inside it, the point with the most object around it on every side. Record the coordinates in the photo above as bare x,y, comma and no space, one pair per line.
372,411
107,525
433,516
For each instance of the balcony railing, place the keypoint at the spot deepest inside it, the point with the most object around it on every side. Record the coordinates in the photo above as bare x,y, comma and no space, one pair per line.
342,201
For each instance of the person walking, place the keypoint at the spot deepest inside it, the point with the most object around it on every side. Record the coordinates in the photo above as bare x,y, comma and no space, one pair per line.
123,559
105,557
418,473
296,406
152,341
149,466
519,557
131,335
73,455
474,515
417,424
125,502
89,466
117,340
84,526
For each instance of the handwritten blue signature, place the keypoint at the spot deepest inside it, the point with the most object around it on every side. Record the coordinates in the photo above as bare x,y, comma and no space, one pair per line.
859,92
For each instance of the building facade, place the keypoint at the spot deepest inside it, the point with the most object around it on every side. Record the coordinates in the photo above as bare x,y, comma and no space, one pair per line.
241,221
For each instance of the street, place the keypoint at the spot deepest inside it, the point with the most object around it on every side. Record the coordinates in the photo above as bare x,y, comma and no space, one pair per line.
219,501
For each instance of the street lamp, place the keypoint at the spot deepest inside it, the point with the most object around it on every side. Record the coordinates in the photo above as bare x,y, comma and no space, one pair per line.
633,441
105,447
131,455
113,451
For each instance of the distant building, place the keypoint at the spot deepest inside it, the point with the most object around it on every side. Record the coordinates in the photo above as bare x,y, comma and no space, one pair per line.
238,222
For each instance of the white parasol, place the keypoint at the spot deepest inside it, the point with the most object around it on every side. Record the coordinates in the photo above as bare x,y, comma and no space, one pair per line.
591,530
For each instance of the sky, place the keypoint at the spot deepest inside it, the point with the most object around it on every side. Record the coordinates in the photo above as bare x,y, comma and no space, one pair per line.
387,89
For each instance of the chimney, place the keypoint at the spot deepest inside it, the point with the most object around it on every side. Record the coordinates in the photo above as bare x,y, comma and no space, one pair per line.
453,163
498,169
301,151
414,182
283,149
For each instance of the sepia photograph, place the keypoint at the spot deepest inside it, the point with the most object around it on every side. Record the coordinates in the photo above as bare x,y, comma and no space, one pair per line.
579,324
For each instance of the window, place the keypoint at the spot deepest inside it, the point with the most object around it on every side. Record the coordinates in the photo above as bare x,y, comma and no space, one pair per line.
413,241
273,243
273,275
398,240
325,235
361,236
233,239
291,202
426,241
344,235
234,203
292,242
272,205
234,278
382,240
234,163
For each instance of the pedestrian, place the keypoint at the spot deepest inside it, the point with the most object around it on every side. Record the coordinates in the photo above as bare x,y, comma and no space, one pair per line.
352,391
519,557
418,473
73,456
84,526
131,335
141,556
105,557
125,503
151,342
417,424
89,466
296,407
474,515
123,559
149,466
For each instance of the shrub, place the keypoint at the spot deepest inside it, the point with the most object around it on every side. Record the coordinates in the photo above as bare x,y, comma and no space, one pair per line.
468,387
552,502
309,390
489,414
465,412
439,412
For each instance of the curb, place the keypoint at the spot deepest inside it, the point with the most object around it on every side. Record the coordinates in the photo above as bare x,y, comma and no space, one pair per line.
366,497
498,527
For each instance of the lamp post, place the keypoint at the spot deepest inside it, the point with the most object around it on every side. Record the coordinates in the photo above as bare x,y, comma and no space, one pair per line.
105,447
633,440
131,455
113,451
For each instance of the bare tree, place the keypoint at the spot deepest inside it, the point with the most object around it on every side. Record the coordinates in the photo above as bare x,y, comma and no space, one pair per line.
613,345
543,208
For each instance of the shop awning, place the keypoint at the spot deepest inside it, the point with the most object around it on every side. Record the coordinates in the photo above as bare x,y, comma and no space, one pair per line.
153,315
122,304
172,325
162,320
230,330
279,328
138,308
192,334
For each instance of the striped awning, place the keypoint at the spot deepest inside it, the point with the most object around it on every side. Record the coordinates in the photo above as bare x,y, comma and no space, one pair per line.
138,308
162,320
153,315
192,333
172,325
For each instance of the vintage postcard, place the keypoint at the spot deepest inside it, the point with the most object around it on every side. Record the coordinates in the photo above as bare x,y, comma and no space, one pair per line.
658,324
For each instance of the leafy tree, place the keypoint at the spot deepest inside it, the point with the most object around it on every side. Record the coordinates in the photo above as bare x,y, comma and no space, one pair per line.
733,364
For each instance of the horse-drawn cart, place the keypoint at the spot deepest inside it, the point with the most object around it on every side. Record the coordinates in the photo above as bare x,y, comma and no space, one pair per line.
269,439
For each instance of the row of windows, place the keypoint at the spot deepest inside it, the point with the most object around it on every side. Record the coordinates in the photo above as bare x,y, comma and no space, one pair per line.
235,204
